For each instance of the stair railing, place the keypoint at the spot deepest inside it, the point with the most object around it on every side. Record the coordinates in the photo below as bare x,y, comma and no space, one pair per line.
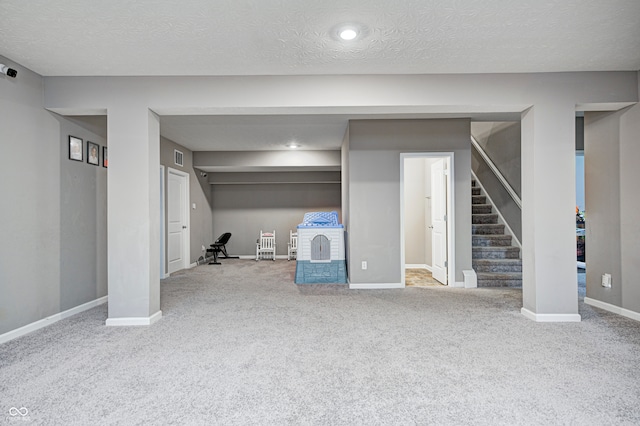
494,169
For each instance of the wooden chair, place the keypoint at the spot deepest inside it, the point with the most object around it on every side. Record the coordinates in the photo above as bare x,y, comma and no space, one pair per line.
292,250
266,246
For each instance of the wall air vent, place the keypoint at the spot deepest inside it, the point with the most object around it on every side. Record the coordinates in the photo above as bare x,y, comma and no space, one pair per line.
178,157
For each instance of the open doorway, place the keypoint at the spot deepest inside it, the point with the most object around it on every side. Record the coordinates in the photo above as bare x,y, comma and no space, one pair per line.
426,194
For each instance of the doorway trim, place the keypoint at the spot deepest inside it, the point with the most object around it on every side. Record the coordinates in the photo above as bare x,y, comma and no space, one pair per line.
163,225
186,264
451,267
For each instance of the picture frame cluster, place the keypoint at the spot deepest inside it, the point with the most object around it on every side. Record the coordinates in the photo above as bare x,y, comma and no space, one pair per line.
76,152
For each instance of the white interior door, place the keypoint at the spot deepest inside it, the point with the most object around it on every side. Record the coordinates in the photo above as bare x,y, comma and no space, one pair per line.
177,220
439,221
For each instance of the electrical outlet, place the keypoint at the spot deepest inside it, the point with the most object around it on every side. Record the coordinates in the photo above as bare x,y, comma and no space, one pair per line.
606,280
364,265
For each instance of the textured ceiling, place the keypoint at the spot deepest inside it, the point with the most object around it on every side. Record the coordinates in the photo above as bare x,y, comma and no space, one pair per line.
282,37
298,37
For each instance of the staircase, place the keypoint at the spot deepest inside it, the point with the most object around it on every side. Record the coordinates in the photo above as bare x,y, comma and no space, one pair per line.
496,261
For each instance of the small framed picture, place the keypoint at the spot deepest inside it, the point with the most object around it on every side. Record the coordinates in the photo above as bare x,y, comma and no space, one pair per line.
105,159
75,148
93,153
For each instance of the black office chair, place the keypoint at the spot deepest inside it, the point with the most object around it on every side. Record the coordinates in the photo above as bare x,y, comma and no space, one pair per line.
219,247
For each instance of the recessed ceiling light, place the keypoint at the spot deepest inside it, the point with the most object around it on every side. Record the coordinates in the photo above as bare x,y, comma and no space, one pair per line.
292,145
349,31
348,34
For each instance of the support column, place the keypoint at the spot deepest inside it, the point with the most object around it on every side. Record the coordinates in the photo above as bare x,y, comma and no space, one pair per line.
549,278
133,216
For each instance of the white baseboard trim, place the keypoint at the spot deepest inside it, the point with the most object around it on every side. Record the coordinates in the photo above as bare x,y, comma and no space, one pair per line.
50,320
253,257
121,322
457,284
470,278
550,317
613,308
418,266
374,286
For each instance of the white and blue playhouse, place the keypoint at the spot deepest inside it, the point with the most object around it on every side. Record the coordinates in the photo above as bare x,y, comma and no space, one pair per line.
321,253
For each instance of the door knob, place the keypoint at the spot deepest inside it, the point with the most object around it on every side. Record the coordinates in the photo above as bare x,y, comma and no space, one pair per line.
184,227
431,227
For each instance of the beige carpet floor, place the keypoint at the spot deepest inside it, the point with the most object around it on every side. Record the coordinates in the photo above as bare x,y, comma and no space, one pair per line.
241,344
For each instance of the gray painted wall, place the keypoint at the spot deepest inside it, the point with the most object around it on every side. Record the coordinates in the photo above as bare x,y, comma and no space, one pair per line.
53,216
200,218
244,210
547,104
34,229
501,141
630,205
499,195
83,215
611,152
374,185
602,240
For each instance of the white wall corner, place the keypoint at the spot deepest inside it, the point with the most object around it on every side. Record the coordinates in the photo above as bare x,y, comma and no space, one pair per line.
470,278
612,308
550,317
122,322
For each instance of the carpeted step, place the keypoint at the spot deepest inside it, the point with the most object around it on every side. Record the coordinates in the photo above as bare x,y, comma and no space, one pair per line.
487,229
478,199
484,218
475,190
481,208
497,265
491,240
504,279
495,252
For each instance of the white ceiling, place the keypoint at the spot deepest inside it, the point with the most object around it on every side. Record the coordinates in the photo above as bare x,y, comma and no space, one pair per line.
282,37
298,37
